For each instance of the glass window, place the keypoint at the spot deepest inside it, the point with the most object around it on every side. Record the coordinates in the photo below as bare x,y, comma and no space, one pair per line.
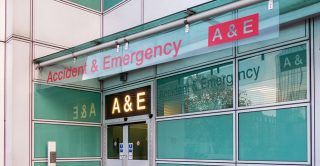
71,140
56,103
138,136
110,3
92,4
73,163
205,138
279,76
202,90
180,165
274,135
115,137
288,6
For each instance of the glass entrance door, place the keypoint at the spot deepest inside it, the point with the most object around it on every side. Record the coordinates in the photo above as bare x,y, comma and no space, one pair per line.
127,145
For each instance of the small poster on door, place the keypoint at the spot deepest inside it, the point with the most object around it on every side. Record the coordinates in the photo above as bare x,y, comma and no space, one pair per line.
121,150
130,151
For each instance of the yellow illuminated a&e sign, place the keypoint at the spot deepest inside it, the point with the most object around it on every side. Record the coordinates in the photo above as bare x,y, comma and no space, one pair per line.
128,103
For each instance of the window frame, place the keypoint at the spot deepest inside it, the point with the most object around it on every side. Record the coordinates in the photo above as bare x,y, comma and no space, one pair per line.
270,51
307,105
163,160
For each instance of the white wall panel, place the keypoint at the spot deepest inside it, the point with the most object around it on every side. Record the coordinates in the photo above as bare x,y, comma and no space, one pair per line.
2,20
157,9
17,103
41,50
63,25
126,16
317,89
9,19
1,103
19,18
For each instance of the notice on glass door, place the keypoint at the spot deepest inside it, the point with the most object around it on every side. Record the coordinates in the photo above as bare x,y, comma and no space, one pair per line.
130,151
121,150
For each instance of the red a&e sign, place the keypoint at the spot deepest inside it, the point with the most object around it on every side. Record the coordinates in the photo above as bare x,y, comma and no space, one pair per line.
237,29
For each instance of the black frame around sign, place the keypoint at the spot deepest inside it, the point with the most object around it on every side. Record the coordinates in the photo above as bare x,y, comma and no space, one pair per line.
109,99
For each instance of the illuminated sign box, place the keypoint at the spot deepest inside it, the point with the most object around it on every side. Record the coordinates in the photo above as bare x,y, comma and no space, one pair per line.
128,103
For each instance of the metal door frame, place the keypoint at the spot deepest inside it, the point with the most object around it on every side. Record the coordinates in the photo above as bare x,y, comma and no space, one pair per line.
150,121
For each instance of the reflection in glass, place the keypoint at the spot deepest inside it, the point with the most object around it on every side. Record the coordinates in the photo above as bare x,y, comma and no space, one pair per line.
72,140
115,137
180,165
274,135
71,163
289,6
279,76
138,135
205,138
202,90
48,104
